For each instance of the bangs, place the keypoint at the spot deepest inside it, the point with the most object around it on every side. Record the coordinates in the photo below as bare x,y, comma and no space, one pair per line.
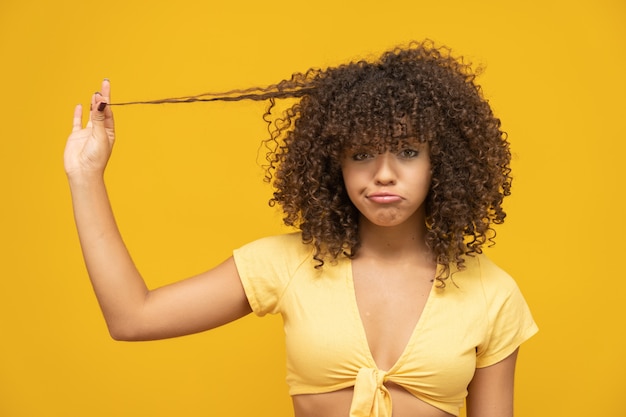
377,113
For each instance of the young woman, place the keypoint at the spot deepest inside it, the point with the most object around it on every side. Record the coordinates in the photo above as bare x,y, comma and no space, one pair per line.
394,172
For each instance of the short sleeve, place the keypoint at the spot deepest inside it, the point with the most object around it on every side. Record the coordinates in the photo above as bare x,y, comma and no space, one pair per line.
266,267
510,322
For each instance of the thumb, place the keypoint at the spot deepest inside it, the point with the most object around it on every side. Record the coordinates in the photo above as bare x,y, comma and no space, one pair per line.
98,117
98,107
101,113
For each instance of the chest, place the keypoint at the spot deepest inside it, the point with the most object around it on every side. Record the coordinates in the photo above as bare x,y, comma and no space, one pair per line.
343,321
390,301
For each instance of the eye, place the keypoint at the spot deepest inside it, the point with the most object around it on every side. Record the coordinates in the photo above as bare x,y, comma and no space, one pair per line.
361,156
408,153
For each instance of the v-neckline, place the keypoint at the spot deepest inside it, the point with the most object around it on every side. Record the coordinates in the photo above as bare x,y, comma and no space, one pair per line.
363,334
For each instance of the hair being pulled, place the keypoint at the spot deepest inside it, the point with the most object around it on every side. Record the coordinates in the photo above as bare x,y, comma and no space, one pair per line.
415,92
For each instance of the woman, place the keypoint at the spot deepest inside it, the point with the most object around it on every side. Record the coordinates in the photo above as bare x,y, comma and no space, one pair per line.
394,172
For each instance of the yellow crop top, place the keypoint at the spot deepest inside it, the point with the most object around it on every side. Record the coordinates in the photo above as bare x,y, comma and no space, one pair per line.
475,323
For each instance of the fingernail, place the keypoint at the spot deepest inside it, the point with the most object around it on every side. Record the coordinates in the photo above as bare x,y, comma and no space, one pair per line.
102,106
106,79
98,93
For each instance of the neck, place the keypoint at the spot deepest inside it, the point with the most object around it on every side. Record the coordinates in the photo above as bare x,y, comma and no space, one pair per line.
405,241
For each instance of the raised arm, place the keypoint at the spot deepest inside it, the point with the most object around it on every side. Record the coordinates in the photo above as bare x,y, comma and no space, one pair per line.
131,310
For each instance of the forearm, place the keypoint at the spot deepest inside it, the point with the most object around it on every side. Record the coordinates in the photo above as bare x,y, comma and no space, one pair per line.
119,288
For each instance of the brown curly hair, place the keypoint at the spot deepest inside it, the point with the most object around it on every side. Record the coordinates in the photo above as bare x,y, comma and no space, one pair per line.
418,91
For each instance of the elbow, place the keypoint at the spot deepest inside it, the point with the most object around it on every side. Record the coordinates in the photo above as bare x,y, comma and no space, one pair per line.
124,332
120,335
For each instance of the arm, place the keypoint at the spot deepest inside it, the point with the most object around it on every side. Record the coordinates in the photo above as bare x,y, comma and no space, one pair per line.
490,394
131,311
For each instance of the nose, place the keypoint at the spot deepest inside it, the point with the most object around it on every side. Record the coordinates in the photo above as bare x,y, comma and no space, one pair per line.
385,169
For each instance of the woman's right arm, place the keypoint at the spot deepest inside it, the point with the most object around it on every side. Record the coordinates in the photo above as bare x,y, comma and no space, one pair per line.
131,310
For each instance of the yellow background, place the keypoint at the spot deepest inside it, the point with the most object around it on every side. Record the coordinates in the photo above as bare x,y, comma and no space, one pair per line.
187,189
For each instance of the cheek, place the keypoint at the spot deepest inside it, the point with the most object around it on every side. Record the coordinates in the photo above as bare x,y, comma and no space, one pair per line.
351,189
351,184
349,177
422,181
428,178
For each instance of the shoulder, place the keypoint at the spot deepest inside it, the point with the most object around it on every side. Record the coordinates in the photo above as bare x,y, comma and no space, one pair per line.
486,274
507,316
290,243
266,267
484,283
285,252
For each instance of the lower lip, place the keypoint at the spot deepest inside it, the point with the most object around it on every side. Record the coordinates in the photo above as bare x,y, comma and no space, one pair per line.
384,199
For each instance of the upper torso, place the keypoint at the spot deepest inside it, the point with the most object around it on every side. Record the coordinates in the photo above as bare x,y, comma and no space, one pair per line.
339,356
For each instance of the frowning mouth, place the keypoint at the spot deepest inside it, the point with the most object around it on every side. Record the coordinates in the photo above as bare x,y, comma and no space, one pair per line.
384,198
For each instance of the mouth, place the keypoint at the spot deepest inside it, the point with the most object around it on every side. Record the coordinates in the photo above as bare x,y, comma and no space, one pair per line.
384,198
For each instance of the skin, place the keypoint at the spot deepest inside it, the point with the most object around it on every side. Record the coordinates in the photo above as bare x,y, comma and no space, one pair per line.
388,188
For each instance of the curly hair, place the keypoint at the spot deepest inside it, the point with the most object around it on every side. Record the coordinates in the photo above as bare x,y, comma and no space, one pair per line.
421,92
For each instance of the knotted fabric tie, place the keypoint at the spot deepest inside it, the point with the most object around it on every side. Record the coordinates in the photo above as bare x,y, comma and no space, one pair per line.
371,397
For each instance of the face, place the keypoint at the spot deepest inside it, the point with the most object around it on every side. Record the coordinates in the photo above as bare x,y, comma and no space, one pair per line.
388,188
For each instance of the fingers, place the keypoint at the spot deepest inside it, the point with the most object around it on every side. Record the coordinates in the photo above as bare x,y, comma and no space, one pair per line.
106,90
98,104
77,122
99,109
92,106
107,110
103,97
99,113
